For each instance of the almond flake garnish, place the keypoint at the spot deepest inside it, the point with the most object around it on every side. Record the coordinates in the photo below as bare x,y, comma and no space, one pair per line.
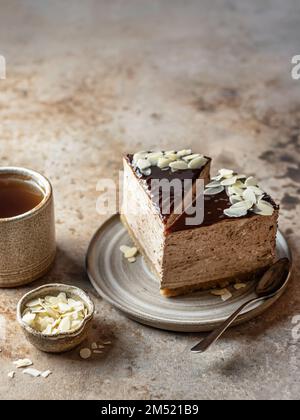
22,363
11,374
32,372
197,163
94,346
46,373
178,165
244,194
239,286
170,160
223,293
55,314
214,190
129,252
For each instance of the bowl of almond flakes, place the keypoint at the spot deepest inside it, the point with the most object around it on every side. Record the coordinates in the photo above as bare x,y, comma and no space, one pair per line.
56,317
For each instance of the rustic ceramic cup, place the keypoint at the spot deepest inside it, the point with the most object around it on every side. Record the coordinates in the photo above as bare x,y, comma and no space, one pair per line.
27,241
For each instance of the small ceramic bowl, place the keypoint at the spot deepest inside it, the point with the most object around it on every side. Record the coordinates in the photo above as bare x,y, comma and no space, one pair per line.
60,342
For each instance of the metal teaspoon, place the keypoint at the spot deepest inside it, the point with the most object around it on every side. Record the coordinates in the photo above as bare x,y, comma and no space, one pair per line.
271,283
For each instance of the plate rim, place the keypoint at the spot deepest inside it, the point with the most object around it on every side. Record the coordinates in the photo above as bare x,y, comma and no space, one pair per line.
178,325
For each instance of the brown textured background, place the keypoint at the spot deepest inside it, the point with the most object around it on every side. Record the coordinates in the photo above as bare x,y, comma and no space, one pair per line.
87,81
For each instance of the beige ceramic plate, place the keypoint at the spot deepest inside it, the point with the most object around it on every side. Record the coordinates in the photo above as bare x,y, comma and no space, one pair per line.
134,290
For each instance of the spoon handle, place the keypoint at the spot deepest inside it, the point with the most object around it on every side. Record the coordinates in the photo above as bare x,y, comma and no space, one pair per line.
214,335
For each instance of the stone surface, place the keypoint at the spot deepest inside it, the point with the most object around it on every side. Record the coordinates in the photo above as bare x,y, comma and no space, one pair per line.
87,81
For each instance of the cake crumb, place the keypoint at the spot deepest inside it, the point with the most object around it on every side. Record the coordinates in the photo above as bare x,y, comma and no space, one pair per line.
223,293
239,286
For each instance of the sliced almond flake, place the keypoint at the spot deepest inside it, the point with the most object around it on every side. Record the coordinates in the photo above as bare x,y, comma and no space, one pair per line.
229,181
51,311
75,324
94,346
256,190
65,325
244,204
62,297
235,212
130,253
223,293
226,296
239,286
48,330
213,191
22,363
225,172
249,195
139,155
251,181
264,202
235,199
11,374
146,172
131,260
172,157
37,310
184,152
143,164
64,307
101,347
213,184
262,209
46,373
29,318
34,302
85,353
178,165
163,162
32,372
191,157
153,157
197,163
233,190
240,184
98,352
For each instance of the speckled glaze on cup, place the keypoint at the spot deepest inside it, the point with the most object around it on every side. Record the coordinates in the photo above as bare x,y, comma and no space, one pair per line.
60,342
27,241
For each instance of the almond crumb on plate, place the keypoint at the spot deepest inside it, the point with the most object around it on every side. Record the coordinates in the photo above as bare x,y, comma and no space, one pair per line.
11,374
32,372
223,293
85,353
239,286
46,373
22,363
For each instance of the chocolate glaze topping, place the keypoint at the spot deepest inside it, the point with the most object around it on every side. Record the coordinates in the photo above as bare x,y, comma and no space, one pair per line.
159,174
214,205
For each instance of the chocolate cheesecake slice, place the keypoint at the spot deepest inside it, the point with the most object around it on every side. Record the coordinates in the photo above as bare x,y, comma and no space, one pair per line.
234,241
